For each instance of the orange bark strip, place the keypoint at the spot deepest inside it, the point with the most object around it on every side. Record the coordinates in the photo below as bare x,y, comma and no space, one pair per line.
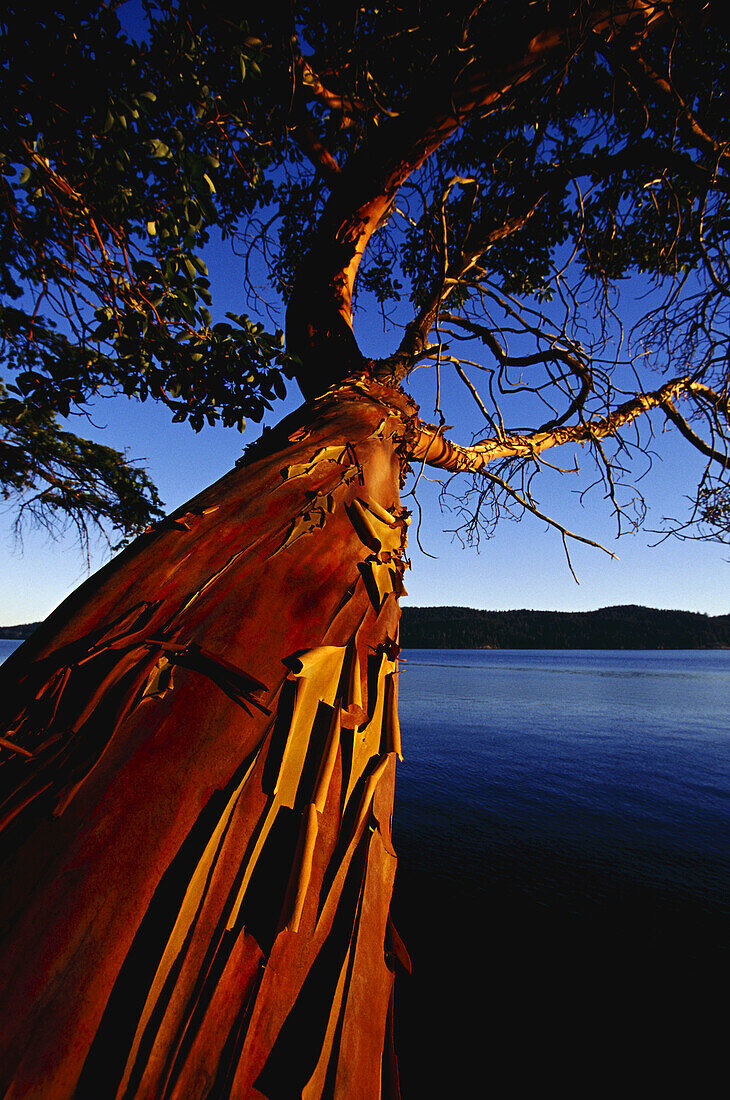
162,930
7,744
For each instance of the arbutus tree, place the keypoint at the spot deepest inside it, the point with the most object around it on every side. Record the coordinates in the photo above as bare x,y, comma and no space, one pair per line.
199,745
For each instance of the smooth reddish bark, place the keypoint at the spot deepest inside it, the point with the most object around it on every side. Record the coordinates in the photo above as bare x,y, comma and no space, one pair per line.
200,744
198,847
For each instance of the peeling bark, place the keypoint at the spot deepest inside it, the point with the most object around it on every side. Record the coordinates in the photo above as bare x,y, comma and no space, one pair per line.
198,844
197,750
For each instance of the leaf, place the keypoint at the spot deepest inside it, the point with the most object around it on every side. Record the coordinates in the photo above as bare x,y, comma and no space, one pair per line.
104,331
193,215
279,384
159,149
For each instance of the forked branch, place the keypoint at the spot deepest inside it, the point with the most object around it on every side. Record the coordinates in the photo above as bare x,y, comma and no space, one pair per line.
433,447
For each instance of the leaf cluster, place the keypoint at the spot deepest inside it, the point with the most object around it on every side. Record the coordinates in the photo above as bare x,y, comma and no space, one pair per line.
607,166
119,155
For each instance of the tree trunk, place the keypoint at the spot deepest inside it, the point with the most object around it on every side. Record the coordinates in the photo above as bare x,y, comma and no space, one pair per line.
199,757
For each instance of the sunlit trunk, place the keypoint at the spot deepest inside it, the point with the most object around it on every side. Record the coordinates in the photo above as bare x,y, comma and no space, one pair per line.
198,768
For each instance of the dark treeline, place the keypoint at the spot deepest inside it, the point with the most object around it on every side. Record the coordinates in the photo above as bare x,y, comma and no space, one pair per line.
624,627
627,627
23,630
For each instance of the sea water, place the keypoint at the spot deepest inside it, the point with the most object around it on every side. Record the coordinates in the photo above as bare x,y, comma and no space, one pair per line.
562,824
544,765
7,645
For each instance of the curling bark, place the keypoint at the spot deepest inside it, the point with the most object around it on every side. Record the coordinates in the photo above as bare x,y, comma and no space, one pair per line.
199,746
198,799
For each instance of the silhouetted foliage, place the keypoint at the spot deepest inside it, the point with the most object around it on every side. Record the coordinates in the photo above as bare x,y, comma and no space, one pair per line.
503,168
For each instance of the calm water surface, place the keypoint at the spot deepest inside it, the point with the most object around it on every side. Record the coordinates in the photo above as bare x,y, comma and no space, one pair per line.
562,823
563,828
616,764
7,645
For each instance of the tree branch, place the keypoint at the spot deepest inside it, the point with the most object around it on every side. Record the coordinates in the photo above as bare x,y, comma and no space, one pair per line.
415,340
319,317
314,149
697,441
436,450
530,507
350,110
639,70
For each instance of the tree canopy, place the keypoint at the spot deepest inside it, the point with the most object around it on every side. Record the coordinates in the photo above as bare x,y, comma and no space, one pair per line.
533,194
199,745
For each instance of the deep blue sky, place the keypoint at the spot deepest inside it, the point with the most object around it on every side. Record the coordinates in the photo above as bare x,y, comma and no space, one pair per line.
522,566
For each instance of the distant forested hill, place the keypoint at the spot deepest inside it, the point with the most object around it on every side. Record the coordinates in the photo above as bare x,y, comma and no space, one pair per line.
626,627
23,630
